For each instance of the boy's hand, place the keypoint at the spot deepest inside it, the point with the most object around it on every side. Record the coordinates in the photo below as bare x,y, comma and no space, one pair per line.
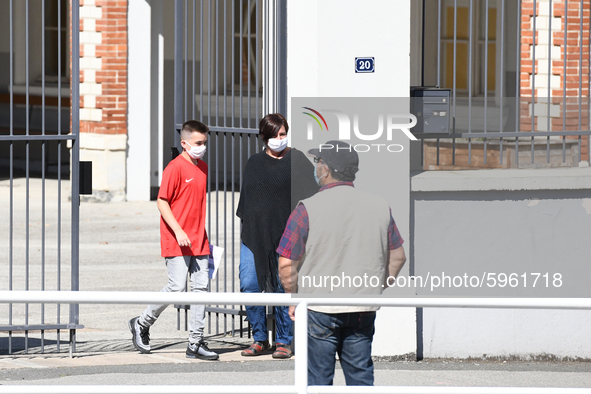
182,239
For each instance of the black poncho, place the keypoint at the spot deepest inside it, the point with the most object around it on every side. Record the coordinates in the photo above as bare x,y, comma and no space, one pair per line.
267,197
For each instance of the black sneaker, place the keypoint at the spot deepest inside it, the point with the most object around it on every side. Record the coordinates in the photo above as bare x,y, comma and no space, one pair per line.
201,351
140,335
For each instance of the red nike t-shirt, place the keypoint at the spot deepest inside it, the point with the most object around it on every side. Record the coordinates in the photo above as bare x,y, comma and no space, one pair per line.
184,186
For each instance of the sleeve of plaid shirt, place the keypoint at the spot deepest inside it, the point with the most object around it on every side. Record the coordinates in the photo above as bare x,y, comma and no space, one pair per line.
394,239
293,241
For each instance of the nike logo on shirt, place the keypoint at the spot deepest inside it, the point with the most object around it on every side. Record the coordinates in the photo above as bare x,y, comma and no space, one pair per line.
188,180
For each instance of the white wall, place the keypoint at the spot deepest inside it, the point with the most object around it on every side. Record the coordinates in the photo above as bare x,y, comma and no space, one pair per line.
505,221
506,334
324,37
139,112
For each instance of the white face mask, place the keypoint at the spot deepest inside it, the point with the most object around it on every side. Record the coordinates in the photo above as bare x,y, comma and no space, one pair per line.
277,145
196,152
316,177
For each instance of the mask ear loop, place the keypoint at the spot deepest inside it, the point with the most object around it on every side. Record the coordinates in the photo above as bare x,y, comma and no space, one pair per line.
325,174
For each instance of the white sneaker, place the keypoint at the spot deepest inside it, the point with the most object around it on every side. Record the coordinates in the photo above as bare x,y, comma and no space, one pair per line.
140,335
201,351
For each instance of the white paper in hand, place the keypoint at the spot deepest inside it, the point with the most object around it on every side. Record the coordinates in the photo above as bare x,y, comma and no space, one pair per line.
215,257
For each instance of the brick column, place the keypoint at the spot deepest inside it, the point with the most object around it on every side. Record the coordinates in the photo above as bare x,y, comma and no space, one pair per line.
103,66
103,94
551,45
577,67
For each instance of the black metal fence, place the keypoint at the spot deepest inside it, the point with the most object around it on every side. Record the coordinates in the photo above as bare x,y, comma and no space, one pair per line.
34,134
229,73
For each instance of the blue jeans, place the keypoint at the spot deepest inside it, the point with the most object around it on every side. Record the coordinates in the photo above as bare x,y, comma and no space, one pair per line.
348,334
257,314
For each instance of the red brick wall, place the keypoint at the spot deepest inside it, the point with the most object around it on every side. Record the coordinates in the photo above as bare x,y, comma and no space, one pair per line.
112,73
577,46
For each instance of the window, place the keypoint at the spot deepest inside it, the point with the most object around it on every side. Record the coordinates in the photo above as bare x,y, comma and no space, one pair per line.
247,39
482,68
56,21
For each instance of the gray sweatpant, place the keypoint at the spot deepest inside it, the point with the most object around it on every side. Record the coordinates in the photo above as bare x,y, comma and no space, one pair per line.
178,267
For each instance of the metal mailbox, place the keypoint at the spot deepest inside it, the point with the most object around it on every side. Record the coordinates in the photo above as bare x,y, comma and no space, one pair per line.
431,106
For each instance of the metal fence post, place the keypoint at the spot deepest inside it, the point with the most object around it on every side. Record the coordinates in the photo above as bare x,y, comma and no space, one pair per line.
178,70
301,347
75,177
281,84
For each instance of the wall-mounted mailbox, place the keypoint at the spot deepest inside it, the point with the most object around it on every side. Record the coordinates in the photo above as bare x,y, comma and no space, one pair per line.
431,106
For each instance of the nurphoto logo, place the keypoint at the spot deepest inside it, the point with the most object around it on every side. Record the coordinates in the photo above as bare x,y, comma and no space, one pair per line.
387,125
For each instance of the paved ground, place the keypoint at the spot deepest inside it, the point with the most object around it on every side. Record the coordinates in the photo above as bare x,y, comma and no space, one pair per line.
168,366
119,250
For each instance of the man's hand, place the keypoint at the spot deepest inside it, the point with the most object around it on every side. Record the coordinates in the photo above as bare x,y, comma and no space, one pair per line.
292,312
182,239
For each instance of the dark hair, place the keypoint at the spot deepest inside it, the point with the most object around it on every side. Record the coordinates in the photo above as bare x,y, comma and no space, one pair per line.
270,125
193,126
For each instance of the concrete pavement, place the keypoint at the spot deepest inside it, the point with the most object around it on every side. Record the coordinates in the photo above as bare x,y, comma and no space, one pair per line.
168,367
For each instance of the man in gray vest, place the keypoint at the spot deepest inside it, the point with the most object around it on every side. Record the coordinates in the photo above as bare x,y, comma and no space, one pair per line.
340,242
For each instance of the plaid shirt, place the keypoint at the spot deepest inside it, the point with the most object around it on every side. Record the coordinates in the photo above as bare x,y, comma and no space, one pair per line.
293,241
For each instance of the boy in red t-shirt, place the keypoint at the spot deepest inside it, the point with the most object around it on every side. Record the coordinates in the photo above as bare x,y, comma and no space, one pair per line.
181,201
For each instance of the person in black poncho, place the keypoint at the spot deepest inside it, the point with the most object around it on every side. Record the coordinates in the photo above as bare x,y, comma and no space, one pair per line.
273,183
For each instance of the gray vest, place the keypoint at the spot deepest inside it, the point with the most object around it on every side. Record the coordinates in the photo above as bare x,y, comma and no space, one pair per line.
347,247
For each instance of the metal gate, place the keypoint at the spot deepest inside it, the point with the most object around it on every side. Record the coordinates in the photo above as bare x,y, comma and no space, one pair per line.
230,70
35,133
518,72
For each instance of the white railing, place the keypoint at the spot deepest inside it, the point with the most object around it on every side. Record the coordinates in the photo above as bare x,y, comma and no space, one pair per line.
301,346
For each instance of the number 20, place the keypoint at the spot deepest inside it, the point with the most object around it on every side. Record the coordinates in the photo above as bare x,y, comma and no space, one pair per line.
364,65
